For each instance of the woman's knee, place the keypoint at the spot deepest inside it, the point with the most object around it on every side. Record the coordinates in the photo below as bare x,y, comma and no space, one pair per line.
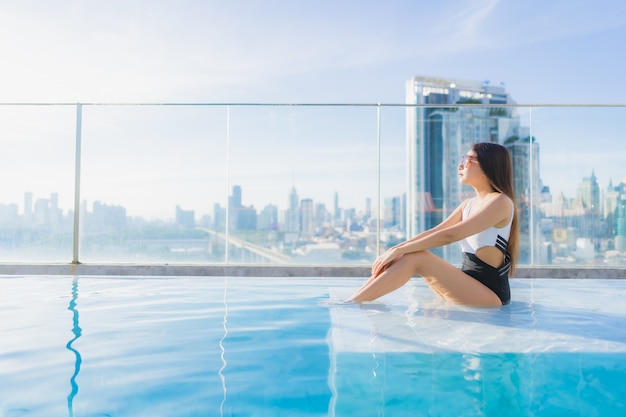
417,258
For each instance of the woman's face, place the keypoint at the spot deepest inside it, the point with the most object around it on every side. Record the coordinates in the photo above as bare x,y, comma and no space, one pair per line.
469,168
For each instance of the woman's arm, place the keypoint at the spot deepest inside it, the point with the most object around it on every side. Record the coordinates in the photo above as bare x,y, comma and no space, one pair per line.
494,211
397,251
450,230
454,218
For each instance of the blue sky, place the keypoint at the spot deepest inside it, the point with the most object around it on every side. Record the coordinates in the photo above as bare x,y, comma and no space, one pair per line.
559,51
329,51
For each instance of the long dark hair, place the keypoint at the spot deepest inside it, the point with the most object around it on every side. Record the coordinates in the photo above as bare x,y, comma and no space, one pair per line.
495,161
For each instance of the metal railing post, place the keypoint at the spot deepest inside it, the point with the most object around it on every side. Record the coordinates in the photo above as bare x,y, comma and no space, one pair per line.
227,226
79,117
531,181
380,211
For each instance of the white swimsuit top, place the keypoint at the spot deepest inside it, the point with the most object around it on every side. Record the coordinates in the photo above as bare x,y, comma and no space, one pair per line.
493,236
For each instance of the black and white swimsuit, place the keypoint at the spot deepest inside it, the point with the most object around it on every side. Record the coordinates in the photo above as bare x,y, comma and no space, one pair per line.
496,279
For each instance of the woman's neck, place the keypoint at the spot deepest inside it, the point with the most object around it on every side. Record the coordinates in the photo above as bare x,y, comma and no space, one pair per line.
484,191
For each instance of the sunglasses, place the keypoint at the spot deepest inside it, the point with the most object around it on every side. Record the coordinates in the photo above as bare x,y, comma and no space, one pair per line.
467,159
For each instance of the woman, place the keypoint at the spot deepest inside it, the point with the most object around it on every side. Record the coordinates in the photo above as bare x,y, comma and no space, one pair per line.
486,226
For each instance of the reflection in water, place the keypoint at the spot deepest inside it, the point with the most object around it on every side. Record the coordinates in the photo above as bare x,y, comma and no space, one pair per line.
76,330
224,363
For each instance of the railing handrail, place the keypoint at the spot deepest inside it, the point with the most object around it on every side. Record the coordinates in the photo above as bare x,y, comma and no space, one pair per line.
262,104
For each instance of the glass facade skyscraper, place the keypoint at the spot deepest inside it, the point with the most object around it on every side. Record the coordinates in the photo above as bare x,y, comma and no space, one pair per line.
445,119
528,191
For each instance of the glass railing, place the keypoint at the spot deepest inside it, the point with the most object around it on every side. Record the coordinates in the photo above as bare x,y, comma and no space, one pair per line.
295,184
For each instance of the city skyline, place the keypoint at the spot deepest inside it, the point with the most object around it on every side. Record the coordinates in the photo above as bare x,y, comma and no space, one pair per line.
52,200
590,228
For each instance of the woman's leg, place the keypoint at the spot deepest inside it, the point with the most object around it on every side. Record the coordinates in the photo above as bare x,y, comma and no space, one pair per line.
395,276
442,277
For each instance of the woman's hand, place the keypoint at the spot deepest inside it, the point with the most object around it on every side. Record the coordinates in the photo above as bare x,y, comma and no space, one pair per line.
385,260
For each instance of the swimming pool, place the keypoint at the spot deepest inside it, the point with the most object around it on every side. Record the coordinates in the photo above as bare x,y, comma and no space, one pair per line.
172,346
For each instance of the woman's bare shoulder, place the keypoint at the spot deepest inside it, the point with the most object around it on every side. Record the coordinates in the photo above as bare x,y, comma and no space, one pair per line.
465,202
502,199
503,204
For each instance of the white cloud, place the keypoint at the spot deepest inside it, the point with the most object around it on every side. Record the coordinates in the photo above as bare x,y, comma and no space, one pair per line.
159,50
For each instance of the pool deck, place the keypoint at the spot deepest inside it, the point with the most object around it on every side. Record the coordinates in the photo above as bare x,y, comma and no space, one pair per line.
552,309
247,270
545,315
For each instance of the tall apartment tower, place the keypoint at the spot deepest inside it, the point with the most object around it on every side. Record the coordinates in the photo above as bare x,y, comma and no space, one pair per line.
307,218
588,192
439,132
292,214
528,192
620,218
525,157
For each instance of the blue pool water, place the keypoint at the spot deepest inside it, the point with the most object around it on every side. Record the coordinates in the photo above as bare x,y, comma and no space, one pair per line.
98,346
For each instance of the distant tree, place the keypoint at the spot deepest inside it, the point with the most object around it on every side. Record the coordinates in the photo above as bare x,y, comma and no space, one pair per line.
469,101
515,138
498,111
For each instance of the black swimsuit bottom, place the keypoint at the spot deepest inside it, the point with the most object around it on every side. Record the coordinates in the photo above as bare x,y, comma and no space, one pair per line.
496,279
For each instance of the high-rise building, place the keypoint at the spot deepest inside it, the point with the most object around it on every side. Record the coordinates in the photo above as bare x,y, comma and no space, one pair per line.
219,217
185,218
615,213
524,152
439,132
235,198
525,157
588,192
292,215
368,208
620,224
268,218
8,215
307,218
393,214
41,212
56,214
611,196
322,217
239,216
106,217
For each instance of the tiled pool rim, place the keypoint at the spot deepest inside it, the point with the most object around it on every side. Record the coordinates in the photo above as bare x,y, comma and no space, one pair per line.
242,270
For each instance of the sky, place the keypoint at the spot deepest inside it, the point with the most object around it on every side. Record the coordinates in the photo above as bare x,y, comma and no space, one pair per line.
562,51
328,51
